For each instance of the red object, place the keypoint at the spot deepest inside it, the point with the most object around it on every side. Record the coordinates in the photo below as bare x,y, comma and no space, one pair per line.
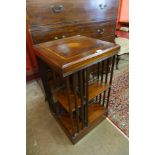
31,63
123,12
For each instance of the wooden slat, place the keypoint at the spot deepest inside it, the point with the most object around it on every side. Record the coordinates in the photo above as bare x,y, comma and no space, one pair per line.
106,78
94,89
82,97
110,82
69,105
87,94
76,100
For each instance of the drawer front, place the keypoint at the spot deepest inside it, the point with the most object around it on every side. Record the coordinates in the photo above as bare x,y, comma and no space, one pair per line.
56,12
109,38
96,30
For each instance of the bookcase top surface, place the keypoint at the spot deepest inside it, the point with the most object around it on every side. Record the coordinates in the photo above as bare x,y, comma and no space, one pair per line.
71,54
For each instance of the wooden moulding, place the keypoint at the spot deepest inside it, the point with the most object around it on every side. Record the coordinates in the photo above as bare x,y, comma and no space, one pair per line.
96,113
94,89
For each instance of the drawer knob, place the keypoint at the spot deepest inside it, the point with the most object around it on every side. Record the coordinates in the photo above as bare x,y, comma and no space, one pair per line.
57,8
63,36
100,31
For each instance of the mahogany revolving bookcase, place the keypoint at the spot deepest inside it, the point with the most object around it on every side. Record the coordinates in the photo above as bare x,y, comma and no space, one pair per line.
77,73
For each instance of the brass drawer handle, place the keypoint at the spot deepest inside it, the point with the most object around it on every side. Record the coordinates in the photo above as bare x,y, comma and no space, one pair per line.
100,31
57,8
102,6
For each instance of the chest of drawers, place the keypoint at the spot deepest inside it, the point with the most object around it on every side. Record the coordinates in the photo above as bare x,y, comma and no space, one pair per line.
56,19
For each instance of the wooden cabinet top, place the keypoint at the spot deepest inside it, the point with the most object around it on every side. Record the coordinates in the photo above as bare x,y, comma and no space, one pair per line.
71,54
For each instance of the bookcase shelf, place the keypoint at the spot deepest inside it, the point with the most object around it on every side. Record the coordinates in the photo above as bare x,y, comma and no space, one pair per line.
62,97
95,111
94,89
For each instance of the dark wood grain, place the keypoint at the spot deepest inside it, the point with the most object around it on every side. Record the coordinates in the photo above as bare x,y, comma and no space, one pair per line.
95,19
101,30
40,12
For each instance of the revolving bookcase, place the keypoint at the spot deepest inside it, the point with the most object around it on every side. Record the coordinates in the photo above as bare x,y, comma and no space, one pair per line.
77,73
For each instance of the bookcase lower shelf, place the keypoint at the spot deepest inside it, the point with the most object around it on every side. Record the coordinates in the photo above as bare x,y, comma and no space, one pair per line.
96,113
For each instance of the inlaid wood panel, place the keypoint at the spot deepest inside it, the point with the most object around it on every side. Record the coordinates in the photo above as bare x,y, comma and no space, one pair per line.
74,53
